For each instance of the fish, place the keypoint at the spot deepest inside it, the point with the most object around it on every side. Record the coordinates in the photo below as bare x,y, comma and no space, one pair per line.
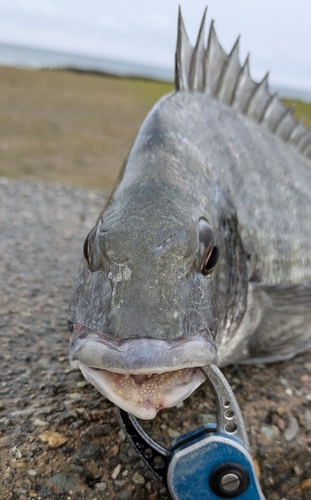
202,253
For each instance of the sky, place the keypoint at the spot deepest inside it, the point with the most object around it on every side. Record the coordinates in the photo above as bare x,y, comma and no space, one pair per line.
276,32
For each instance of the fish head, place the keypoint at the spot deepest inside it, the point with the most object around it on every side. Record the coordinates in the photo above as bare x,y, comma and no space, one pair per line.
144,308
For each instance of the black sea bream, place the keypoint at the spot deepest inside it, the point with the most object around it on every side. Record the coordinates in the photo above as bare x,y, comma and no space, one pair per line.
203,251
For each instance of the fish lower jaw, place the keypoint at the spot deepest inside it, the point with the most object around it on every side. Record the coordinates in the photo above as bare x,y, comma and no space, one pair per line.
145,394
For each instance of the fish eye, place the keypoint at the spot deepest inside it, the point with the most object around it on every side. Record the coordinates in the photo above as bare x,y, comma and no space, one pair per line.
87,248
211,260
209,252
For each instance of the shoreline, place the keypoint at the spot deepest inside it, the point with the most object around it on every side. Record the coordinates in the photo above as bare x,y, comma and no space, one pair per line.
26,57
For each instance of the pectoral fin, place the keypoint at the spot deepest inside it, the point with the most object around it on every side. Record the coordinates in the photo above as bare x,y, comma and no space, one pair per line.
284,326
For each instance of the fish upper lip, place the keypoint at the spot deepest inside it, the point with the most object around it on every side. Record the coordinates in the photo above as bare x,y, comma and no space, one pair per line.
140,355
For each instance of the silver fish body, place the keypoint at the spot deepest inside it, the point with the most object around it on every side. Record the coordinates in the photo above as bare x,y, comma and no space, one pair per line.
203,253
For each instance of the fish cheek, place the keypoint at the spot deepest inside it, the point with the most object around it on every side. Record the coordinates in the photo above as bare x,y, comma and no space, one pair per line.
200,304
90,300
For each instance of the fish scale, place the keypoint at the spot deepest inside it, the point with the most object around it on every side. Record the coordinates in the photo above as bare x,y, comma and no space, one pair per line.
203,252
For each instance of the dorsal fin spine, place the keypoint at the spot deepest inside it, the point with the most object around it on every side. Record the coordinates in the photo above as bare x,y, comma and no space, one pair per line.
244,90
259,101
214,62
307,151
183,56
297,132
230,74
286,125
197,64
274,113
304,141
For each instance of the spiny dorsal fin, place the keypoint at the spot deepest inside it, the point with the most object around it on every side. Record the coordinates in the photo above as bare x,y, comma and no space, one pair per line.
219,75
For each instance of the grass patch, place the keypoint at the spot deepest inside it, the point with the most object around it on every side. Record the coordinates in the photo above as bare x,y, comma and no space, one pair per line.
75,128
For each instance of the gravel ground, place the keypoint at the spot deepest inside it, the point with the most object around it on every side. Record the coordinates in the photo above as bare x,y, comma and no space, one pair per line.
59,438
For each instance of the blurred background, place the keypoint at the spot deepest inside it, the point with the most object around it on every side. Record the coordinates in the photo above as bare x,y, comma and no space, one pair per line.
66,118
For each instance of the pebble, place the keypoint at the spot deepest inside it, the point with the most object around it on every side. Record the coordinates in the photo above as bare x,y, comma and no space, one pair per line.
138,478
22,413
122,435
32,472
306,484
40,423
261,452
115,450
21,464
5,442
66,415
281,424
125,495
81,384
54,439
100,486
76,468
44,492
75,396
292,430
270,433
16,452
65,480
308,416
116,471
172,433
148,486
297,470
31,411
119,483
87,452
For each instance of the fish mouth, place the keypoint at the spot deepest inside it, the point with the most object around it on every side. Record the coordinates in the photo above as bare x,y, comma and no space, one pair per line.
144,395
142,376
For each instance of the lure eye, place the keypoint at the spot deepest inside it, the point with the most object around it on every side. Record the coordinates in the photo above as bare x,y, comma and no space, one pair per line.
209,252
